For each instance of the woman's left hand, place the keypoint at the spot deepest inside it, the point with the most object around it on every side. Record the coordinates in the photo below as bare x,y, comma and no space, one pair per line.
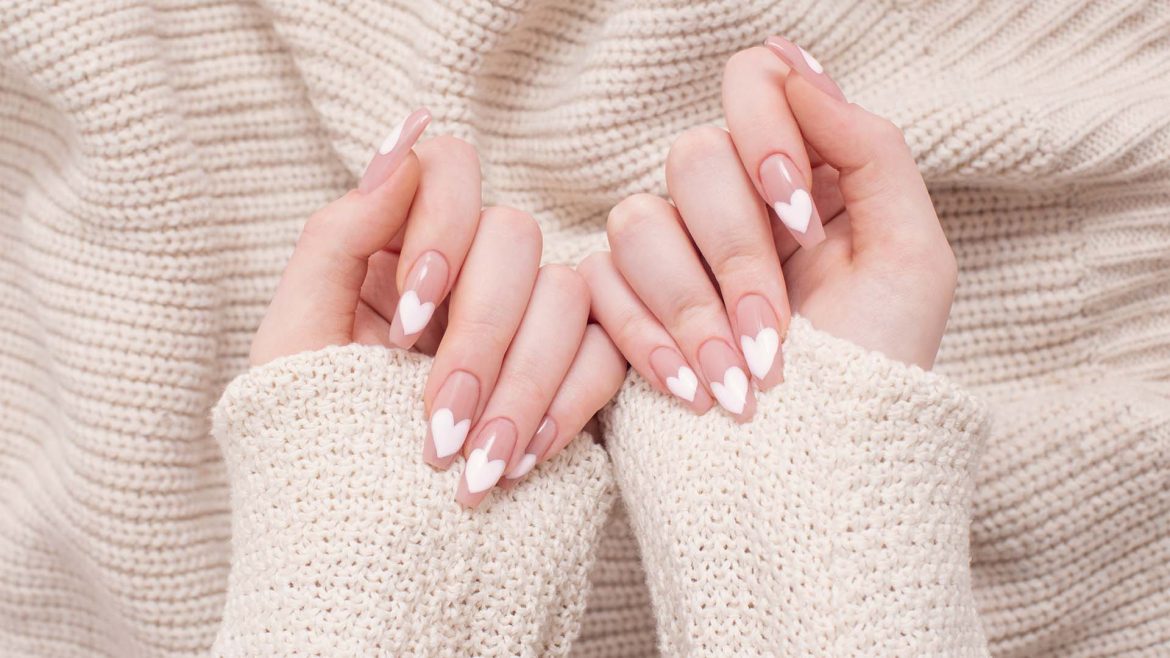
697,293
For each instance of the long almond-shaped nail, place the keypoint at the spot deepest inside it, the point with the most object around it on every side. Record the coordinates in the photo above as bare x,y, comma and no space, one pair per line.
759,339
679,378
491,449
450,418
394,149
804,64
534,453
425,286
729,383
787,194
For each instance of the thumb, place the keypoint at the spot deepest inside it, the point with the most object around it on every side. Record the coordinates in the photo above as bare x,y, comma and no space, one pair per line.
880,183
316,300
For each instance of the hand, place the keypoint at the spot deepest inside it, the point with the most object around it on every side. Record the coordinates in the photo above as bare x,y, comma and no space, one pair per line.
877,272
513,355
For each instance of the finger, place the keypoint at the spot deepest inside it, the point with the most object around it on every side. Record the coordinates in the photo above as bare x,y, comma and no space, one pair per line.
438,233
639,336
878,178
485,310
729,224
533,369
317,297
596,374
656,258
769,142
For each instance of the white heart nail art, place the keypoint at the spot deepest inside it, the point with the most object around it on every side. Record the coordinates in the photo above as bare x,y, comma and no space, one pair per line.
797,212
391,140
525,465
684,385
447,434
760,351
732,391
482,474
811,61
414,315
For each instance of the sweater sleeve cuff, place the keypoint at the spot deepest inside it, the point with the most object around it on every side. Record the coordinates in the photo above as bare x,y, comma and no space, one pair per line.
844,502
345,543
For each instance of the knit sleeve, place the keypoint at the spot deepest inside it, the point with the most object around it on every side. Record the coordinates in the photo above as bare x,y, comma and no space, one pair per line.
344,543
834,524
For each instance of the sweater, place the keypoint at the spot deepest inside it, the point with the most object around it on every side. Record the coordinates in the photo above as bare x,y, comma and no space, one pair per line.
157,160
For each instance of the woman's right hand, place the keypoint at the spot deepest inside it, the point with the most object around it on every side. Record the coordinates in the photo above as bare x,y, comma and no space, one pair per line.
410,260
697,294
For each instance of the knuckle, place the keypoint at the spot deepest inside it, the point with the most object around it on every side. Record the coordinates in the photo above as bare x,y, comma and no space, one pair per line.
694,308
517,226
455,147
594,262
887,133
756,58
632,214
695,147
565,281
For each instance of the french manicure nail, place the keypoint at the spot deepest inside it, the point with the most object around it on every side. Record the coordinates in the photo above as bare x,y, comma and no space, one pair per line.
492,447
725,373
759,339
801,61
534,453
425,285
394,149
787,194
450,419
679,378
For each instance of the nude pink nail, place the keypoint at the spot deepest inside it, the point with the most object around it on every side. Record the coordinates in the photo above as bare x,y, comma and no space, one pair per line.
450,419
759,339
394,149
727,378
545,435
679,378
788,196
801,61
492,448
425,286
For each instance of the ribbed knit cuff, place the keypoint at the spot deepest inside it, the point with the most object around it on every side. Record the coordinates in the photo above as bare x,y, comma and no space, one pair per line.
345,543
834,523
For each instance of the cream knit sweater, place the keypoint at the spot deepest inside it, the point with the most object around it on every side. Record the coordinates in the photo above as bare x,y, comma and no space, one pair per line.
157,158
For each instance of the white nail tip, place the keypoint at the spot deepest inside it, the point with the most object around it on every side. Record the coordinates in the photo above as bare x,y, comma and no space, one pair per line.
391,140
527,462
481,473
797,213
684,385
732,392
760,351
447,434
414,314
811,61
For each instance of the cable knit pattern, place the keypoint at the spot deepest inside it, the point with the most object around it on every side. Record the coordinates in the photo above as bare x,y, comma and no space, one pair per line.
158,157
853,544
345,544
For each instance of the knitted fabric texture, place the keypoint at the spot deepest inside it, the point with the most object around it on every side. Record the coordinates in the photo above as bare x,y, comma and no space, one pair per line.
856,543
157,160
345,543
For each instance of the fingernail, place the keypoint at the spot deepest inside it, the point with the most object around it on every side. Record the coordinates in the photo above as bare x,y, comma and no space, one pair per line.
394,149
759,339
489,456
450,419
725,373
679,379
534,453
801,61
425,284
787,194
